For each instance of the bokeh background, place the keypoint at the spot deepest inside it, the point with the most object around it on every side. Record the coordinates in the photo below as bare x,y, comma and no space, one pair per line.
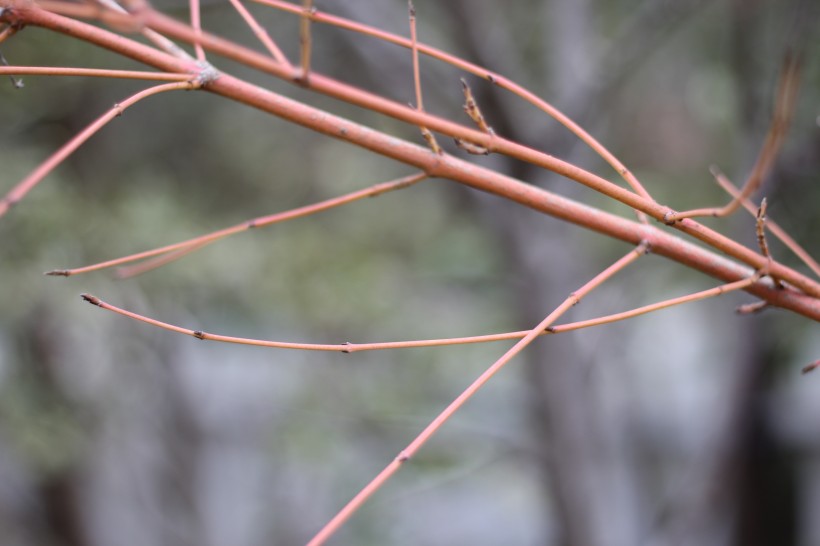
688,426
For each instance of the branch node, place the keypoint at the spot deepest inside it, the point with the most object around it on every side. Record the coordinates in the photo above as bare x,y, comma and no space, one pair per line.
669,217
199,334
403,457
645,247
207,74
347,345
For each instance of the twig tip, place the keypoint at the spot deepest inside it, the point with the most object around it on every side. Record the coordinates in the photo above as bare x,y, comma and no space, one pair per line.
58,273
93,300
810,367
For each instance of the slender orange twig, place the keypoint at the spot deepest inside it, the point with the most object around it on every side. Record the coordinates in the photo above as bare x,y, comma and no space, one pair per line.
784,104
93,72
196,24
261,34
425,132
697,296
155,37
348,347
334,524
69,147
775,229
262,221
305,39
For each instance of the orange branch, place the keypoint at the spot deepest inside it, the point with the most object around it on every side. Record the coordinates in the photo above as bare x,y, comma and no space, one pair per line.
92,72
28,183
180,249
334,524
445,166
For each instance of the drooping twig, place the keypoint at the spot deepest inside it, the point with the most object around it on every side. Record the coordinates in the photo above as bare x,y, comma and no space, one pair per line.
784,104
21,189
385,345
407,453
198,242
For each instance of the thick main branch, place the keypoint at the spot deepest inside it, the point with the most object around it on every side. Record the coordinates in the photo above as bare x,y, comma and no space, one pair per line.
452,168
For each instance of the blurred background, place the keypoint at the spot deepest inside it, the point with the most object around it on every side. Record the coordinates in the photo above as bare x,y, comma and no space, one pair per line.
688,426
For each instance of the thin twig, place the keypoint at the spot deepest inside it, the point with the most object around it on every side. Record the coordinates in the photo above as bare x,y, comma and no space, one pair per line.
155,37
784,104
93,72
697,296
196,24
775,229
21,189
305,40
334,524
261,34
760,232
185,247
440,342
425,132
